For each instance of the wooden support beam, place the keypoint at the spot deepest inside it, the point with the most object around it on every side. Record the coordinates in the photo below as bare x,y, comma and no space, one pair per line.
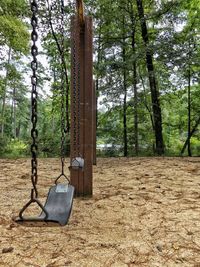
82,80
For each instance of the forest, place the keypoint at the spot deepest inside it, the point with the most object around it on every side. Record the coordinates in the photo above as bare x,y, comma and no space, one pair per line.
146,70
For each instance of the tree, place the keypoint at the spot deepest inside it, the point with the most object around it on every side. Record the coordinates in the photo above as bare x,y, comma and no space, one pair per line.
13,30
157,117
14,40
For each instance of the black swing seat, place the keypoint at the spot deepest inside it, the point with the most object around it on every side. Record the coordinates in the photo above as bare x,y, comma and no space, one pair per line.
58,206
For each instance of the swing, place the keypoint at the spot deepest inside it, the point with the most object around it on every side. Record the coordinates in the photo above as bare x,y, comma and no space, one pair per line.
77,161
58,205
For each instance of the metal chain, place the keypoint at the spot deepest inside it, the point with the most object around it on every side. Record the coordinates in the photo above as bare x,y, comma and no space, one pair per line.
76,94
78,89
63,96
34,131
66,129
74,58
62,149
34,95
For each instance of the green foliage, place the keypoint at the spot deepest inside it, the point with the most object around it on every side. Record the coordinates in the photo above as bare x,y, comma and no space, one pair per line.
195,143
13,31
16,149
13,8
3,145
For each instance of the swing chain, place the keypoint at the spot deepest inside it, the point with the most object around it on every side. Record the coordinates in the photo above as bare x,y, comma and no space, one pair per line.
76,93
62,92
34,96
79,89
74,58
64,128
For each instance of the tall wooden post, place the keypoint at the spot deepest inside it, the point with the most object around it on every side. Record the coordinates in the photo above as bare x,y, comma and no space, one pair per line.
82,104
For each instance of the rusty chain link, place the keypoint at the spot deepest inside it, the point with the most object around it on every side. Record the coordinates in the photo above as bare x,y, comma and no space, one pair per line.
63,130
34,131
74,58
34,95
78,98
76,94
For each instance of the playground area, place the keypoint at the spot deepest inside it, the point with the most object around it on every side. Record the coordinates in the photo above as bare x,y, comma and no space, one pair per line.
144,212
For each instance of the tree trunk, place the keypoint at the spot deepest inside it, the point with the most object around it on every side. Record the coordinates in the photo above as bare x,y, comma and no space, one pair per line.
14,114
146,105
190,135
18,129
189,100
125,119
135,109
97,93
125,93
189,113
152,81
136,145
53,100
4,94
97,69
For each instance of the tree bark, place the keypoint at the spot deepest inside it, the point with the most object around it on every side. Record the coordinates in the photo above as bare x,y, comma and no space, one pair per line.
97,69
147,106
189,100
125,118
18,129
97,93
136,144
53,100
189,113
14,114
125,93
152,81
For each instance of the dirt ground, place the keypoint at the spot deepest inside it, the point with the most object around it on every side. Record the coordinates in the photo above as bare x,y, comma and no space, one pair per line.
144,212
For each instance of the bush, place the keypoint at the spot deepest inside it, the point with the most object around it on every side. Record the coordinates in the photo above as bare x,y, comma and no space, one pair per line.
15,148
49,146
3,145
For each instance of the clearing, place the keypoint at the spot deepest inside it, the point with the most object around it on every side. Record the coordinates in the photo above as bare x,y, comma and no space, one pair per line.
144,212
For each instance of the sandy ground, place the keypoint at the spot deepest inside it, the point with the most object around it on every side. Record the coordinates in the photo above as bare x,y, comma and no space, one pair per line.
144,212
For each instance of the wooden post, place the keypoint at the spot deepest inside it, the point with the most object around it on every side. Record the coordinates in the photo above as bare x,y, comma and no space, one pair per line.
82,66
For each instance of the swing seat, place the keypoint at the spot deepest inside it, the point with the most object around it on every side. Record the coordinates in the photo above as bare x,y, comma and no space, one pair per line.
58,206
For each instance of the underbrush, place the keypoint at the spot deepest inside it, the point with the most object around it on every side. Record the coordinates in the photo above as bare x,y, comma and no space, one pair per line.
14,149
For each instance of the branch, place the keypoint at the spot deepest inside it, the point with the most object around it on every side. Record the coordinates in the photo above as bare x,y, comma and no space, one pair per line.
53,32
190,135
61,52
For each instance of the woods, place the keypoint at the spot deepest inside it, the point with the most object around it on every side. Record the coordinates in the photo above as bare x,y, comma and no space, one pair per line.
146,65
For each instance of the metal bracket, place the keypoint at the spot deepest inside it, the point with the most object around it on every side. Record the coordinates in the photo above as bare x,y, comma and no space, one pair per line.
77,163
61,188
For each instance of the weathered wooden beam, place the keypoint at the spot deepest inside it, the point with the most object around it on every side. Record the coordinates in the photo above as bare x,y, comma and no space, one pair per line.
82,92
